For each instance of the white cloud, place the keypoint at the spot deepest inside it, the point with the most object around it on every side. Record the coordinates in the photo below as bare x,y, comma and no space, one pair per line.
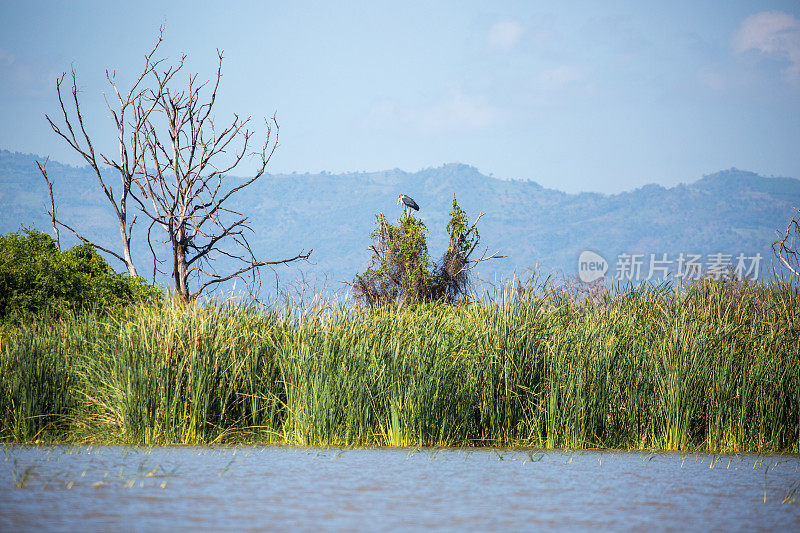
6,58
455,112
504,35
773,33
711,79
557,78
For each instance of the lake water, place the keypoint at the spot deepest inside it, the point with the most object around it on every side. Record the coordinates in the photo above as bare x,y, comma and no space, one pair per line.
112,488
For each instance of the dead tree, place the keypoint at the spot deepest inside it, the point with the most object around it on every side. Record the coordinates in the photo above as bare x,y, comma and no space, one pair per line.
183,184
128,111
173,163
787,247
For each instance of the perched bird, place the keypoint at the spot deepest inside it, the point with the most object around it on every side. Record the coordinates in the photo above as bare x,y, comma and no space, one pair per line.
407,202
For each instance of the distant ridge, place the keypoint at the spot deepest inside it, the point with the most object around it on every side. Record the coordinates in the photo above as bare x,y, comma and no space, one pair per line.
731,211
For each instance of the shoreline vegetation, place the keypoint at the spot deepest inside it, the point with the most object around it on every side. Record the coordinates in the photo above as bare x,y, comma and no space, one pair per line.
712,366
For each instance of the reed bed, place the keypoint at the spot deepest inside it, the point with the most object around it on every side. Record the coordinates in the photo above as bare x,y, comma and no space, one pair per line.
714,366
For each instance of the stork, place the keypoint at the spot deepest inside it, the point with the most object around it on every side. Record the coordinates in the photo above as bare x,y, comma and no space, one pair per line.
407,202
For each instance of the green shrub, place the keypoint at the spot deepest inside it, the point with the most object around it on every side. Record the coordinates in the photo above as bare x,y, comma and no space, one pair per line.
401,272
35,276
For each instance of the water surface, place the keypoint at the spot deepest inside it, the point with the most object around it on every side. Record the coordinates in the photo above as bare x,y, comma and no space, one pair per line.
105,488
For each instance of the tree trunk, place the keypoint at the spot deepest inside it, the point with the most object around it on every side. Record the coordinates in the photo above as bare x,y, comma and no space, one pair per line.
181,269
126,247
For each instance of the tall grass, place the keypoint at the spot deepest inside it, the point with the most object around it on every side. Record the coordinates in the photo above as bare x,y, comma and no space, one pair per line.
714,366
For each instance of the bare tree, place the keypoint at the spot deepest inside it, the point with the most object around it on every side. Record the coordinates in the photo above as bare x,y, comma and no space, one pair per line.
174,164
787,247
184,186
128,106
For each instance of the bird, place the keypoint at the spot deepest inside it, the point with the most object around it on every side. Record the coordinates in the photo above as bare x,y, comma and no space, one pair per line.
407,202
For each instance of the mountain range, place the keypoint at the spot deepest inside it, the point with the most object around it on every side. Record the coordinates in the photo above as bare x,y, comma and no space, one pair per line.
731,212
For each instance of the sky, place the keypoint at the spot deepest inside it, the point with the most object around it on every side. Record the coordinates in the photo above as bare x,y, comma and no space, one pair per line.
577,96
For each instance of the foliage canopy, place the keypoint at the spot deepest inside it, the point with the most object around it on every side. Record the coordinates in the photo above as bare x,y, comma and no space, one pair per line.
401,271
36,277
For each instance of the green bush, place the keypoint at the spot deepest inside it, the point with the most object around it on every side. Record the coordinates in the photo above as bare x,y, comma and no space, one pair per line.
35,276
401,272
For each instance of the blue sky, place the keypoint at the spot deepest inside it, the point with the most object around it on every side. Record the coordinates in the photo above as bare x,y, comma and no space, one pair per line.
574,95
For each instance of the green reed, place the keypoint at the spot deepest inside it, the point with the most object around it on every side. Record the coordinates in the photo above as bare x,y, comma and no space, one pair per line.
712,366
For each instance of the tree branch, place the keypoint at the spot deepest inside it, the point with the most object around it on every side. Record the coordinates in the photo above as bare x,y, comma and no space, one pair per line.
52,211
298,257
787,248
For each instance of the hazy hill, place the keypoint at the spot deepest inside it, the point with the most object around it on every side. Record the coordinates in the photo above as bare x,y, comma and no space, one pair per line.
731,211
